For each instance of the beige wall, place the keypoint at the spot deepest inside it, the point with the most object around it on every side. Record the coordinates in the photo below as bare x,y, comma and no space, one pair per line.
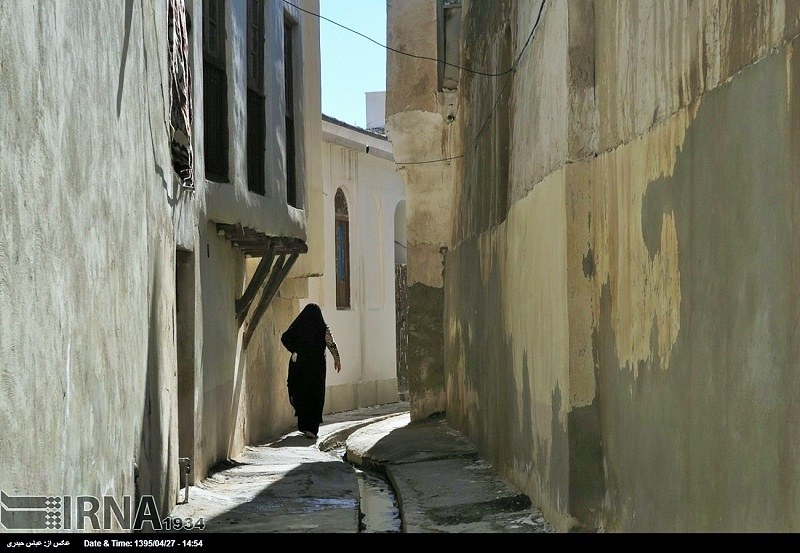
87,354
621,339
92,221
240,394
422,124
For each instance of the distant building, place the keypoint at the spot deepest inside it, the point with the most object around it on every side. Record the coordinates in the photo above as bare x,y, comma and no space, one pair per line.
364,239
376,111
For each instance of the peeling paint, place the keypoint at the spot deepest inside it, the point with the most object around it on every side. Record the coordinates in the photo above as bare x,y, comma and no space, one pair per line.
609,326
646,287
535,269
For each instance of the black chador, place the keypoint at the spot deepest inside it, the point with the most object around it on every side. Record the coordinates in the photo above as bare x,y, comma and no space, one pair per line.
307,337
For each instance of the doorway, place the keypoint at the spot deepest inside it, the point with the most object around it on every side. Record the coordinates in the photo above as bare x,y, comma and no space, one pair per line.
184,336
401,298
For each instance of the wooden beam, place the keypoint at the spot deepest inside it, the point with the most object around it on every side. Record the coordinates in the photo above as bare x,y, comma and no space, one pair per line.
232,231
273,277
242,304
276,278
246,238
259,250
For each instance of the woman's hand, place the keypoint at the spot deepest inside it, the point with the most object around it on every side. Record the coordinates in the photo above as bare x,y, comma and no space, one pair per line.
338,367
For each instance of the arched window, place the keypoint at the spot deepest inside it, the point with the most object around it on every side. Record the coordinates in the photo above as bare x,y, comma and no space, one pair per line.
342,252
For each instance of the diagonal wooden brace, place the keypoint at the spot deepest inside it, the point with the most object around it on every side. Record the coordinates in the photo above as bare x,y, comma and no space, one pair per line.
243,304
279,271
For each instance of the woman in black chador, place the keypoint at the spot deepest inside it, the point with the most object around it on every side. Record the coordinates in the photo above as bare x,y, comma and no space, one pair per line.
307,337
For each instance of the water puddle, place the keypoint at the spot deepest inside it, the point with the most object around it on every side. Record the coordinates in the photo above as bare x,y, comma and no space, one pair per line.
379,512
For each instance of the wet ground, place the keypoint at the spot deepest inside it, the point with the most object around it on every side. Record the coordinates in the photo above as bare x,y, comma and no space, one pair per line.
378,508
295,484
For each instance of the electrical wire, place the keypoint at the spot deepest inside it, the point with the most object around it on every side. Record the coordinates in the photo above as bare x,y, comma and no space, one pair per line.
402,52
474,140
508,72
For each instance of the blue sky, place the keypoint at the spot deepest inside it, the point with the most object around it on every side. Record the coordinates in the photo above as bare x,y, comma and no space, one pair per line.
351,65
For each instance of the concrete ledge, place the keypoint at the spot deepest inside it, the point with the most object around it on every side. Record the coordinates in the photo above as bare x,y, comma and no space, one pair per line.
338,427
355,395
460,495
441,483
396,441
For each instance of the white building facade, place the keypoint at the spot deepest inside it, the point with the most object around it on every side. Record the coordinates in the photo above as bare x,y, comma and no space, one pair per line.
362,195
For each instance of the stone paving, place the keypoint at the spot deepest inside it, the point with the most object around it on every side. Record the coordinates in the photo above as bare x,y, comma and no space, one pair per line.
293,485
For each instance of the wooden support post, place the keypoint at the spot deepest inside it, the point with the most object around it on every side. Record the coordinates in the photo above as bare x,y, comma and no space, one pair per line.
242,305
279,271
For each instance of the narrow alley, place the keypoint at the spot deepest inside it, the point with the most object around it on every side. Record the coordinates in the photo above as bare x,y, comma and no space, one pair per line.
370,471
536,271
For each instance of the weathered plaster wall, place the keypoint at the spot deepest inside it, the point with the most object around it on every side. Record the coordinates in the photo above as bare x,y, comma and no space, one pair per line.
313,262
87,354
627,351
91,221
507,324
710,395
539,134
264,408
423,126
411,27
487,127
653,58
507,367
221,278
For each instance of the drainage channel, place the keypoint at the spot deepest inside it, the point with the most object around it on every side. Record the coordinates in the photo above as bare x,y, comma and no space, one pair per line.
379,511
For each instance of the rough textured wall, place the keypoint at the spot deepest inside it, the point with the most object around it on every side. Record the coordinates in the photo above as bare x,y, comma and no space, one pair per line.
627,335
221,281
506,318
695,311
266,399
486,132
87,355
539,143
653,58
313,262
507,381
423,126
691,245
411,27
